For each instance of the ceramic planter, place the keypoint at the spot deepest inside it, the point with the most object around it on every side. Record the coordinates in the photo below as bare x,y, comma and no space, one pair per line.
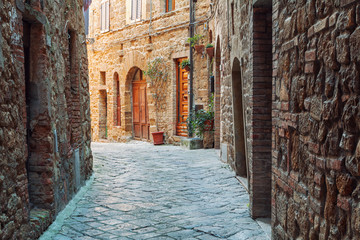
187,68
158,138
209,125
199,48
210,52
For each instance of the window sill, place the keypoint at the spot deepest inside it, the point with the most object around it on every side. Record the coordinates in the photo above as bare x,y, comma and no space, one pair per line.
168,14
105,31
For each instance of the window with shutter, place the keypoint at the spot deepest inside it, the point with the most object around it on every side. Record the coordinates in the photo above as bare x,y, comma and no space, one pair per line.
138,10
102,15
169,5
133,9
105,16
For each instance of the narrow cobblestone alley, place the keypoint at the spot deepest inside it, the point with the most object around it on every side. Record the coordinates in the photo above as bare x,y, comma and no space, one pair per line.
141,191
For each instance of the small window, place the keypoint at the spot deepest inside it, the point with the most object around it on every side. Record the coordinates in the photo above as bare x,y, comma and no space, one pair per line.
102,78
105,16
170,5
135,9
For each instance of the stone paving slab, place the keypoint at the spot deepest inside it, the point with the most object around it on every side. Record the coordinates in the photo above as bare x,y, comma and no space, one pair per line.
141,191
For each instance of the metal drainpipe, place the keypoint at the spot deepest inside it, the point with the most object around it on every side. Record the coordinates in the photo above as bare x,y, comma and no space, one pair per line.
228,20
191,95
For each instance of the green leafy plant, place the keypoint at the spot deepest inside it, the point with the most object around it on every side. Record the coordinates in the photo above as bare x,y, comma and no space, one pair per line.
195,39
209,45
202,120
157,77
185,63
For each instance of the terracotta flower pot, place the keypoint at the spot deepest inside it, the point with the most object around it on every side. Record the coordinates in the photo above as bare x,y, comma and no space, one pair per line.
199,48
158,138
210,52
187,68
209,125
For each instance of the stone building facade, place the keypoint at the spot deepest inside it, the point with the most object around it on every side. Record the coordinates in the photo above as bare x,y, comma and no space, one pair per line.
123,38
45,137
243,91
316,116
287,93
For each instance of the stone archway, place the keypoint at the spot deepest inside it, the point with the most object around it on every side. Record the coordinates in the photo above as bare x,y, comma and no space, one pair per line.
136,107
241,163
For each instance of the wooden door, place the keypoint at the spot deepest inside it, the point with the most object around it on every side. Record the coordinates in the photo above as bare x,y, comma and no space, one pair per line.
140,110
182,101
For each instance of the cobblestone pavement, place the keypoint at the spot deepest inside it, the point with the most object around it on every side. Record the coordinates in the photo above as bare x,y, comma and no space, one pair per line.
141,191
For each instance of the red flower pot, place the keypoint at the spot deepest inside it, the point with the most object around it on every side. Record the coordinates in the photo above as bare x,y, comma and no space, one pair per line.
210,52
199,48
187,68
209,125
158,138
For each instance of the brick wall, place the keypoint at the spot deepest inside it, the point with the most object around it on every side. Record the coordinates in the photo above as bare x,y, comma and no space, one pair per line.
260,162
44,113
316,119
243,34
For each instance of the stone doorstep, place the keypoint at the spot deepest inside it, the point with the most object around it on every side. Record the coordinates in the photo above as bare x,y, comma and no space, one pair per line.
191,143
265,224
40,220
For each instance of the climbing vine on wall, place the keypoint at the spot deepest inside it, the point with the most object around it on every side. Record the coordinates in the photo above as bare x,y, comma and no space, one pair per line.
157,77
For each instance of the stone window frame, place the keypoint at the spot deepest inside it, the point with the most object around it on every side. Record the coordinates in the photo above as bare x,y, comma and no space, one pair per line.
105,16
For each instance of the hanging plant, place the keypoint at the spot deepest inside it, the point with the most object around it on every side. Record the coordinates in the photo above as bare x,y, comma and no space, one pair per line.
210,50
185,64
195,39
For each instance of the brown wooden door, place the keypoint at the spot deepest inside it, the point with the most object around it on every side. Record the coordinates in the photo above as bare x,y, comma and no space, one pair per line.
182,101
140,110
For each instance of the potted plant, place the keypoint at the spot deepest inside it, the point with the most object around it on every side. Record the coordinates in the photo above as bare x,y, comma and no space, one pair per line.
202,120
194,42
185,64
210,50
157,79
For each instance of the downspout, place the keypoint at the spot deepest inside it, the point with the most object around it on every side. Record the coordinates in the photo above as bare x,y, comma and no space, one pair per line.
191,95
228,20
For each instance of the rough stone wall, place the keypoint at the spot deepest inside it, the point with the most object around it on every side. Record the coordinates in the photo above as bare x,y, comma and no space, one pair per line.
316,119
243,42
133,44
44,113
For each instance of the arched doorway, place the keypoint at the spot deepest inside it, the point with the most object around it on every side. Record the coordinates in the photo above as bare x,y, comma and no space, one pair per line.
140,111
117,100
241,164
217,95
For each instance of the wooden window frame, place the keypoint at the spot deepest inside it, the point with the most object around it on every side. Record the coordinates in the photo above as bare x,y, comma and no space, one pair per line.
167,5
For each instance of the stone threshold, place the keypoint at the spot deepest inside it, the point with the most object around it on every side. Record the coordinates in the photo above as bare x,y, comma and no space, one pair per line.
55,226
40,220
